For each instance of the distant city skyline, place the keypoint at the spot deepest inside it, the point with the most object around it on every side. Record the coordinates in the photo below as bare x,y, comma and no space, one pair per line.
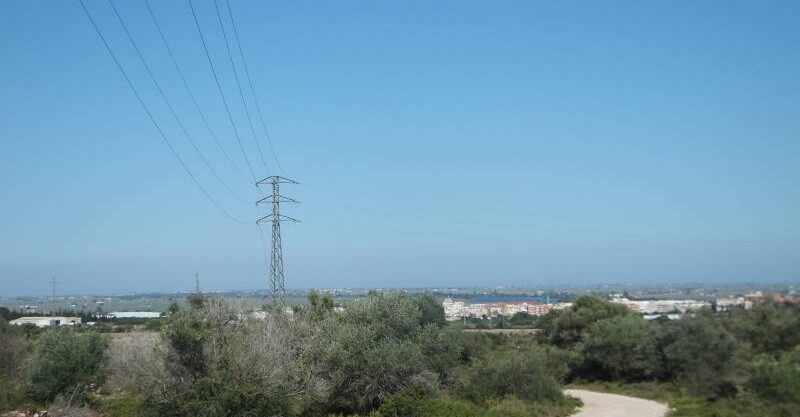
512,292
455,144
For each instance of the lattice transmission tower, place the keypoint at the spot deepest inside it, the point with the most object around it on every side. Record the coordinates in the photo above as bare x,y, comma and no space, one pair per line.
276,276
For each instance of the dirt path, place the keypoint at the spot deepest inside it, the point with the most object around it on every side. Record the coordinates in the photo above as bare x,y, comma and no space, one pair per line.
596,404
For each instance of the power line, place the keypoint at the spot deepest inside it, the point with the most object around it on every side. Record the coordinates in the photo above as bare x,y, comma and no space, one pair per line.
252,90
189,90
152,119
169,104
275,291
239,86
221,93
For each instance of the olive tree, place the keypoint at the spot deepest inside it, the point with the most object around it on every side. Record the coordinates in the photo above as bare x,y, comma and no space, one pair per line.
375,348
224,363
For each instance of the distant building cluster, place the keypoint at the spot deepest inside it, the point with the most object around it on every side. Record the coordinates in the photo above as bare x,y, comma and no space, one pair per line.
455,310
47,321
662,306
54,321
749,300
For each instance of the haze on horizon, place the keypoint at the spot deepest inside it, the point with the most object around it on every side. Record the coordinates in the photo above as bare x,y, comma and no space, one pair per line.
488,144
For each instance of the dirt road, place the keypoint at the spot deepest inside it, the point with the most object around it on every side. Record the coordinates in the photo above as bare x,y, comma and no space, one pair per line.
597,404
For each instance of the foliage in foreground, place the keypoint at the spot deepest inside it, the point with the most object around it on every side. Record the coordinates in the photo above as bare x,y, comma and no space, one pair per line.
65,362
387,352
393,355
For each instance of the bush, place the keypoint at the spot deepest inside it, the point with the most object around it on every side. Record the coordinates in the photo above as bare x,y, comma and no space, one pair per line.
767,328
409,403
10,395
520,373
514,407
522,319
442,350
622,347
136,364
13,350
705,357
416,404
431,310
565,328
777,379
319,304
65,361
223,364
377,347
222,394
445,406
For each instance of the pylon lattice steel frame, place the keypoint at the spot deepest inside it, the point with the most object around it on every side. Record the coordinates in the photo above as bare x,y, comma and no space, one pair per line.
276,275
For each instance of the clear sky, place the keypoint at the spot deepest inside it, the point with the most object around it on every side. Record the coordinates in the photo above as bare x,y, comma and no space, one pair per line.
439,143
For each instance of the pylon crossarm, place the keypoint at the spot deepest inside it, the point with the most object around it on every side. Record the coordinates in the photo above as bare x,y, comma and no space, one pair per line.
280,217
281,199
277,179
286,180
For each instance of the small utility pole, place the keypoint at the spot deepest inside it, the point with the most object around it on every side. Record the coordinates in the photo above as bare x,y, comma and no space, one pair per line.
197,282
277,281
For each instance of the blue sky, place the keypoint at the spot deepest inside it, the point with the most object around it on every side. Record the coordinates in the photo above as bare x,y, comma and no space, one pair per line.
439,143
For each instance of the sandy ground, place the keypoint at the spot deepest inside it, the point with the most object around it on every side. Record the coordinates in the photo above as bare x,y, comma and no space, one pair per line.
597,404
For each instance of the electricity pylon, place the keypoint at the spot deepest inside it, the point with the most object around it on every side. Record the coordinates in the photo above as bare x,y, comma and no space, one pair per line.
277,281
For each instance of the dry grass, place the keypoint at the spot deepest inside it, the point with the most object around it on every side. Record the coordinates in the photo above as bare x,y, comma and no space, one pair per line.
136,363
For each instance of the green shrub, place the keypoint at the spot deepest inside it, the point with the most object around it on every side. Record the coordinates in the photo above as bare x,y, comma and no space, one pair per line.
515,407
154,325
65,361
705,358
222,394
621,347
565,328
409,403
222,365
431,310
412,404
10,395
320,305
767,328
13,350
445,406
377,347
777,379
520,373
